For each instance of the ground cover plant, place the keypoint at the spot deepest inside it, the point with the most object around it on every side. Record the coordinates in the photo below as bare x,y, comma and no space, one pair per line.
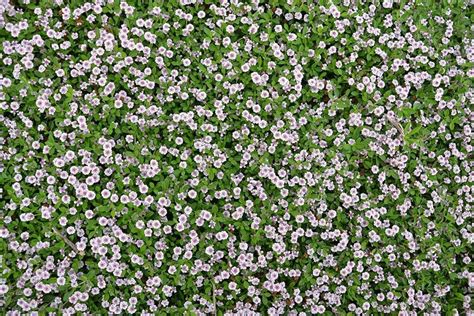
230,157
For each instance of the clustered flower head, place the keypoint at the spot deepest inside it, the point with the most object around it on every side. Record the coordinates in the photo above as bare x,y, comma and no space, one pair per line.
194,157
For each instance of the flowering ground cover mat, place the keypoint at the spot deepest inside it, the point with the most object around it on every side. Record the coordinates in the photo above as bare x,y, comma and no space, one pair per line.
254,157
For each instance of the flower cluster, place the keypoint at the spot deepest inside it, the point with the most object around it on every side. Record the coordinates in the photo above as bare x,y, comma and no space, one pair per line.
197,157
